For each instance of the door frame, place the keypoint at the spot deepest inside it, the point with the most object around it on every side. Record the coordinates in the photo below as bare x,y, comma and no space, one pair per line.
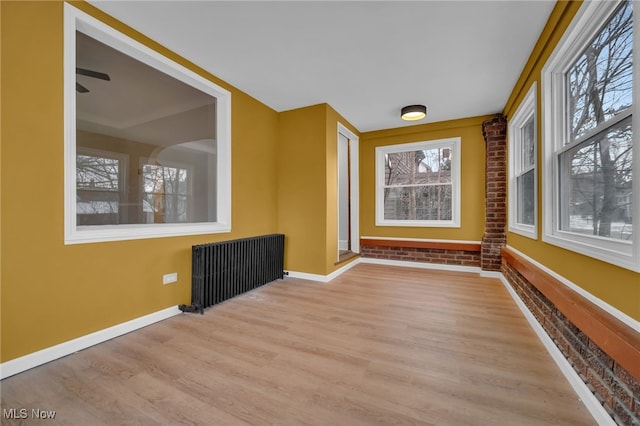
354,185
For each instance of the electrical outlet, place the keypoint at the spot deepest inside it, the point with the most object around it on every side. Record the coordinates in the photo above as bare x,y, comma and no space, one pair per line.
170,278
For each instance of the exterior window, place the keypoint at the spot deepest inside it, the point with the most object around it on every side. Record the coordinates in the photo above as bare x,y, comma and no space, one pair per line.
589,140
522,168
147,141
166,194
418,184
99,187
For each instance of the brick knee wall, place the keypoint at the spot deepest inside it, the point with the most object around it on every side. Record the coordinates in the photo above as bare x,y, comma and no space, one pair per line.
613,386
423,255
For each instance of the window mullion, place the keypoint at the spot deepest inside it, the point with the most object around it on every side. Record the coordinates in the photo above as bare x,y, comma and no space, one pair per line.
627,112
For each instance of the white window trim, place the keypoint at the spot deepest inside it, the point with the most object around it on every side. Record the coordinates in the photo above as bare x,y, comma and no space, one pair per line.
381,151
523,114
586,23
75,19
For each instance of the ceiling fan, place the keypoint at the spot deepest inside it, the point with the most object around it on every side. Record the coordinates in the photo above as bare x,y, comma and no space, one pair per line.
95,74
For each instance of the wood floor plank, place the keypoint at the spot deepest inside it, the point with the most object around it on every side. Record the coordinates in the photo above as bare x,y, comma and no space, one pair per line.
378,345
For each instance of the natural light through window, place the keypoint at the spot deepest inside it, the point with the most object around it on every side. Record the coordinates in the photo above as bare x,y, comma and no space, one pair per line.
99,187
522,168
418,184
589,139
166,194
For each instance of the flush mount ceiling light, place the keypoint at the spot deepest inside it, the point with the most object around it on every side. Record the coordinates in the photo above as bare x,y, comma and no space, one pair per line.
413,112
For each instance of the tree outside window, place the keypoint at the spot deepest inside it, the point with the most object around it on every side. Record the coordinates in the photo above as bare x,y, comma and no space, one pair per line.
99,184
418,183
596,162
166,194
588,137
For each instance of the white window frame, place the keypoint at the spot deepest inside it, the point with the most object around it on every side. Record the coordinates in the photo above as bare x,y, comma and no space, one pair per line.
525,112
381,151
75,19
588,21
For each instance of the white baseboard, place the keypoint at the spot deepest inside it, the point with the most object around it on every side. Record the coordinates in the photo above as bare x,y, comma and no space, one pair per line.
406,264
309,277
589,400
325,278
344,268
43,356
423,265
491,274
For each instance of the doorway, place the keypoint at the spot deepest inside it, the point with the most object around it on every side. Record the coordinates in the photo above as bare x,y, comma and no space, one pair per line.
348,229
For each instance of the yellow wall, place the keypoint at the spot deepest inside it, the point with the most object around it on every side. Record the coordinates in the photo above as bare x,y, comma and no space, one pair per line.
472,175
307,188
50,292
302,188
617,286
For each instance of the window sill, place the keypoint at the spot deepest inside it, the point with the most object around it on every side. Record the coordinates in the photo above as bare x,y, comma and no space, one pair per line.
106,233
525,231
616,253
420,223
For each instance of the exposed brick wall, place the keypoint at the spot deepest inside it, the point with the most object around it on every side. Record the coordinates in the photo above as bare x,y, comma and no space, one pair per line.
613,386
495,136
424,255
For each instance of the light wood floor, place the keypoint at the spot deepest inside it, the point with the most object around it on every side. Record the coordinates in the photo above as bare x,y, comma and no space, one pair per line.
377,346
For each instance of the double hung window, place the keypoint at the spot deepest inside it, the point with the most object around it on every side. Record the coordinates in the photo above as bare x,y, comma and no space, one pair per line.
590,88
418,184
100,185
522,168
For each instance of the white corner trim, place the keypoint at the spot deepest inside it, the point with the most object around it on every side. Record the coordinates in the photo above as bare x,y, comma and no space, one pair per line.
631,322
421,265
589,400
43,356
324,278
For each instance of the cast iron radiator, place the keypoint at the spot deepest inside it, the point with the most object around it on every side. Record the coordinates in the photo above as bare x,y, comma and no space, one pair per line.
222,270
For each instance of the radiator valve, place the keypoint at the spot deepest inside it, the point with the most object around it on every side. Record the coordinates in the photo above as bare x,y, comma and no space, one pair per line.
191,308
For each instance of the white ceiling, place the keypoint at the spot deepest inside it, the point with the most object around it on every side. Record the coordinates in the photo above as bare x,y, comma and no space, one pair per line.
367,59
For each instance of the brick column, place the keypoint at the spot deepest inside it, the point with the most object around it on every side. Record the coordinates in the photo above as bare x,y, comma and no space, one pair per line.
495,220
